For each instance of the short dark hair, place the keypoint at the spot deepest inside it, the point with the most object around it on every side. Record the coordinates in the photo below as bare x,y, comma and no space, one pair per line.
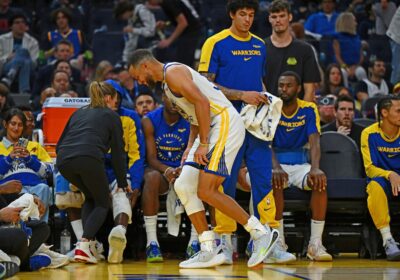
15,112
25,108
142,93
279,6
17,16
122,7
234,5
64,42
373,60
386,103
65,11
344,98
292,74
138,56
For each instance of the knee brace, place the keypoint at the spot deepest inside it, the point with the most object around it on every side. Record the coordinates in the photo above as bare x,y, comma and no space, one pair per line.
186,189
121,204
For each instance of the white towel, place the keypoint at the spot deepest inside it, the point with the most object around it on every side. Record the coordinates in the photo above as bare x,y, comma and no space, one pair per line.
30,209
263,124
174,211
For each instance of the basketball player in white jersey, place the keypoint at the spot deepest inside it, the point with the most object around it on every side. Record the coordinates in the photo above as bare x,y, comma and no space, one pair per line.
216,134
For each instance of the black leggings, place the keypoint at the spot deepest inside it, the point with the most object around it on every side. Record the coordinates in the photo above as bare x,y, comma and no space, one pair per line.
89,175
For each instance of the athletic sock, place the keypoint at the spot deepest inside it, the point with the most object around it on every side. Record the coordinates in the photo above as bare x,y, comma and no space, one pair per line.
151,229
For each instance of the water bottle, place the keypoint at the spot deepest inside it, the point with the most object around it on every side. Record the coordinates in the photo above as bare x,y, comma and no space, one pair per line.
235,254
65,241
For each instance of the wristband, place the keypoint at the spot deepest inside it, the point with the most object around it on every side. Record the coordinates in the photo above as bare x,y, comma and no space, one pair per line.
166,170
203,144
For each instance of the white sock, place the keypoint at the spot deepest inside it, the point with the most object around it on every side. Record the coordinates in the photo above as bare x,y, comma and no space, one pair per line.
386,234
227,239
255,228
122,228
150,223
193,235
281,231
317,228
207,240
77,227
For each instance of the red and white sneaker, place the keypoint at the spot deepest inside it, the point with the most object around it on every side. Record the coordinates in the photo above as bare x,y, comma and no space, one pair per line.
83,253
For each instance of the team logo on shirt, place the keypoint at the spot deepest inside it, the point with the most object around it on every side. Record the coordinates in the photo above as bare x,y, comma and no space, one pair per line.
290,129
247,58
301,117
180,130
291,61
256,46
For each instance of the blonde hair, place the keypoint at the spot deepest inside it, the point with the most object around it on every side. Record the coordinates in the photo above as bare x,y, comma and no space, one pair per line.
346,23
97,92
102,69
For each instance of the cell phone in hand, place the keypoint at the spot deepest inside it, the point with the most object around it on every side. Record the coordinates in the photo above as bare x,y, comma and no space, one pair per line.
22,142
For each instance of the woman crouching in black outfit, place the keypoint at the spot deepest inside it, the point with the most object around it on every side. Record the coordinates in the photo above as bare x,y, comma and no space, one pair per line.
89,134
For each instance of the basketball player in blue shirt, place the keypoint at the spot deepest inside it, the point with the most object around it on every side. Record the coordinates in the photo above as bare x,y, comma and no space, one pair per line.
235,60
380,147
297,133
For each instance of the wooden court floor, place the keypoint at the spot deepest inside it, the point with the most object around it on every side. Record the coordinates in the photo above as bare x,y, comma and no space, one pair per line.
342,268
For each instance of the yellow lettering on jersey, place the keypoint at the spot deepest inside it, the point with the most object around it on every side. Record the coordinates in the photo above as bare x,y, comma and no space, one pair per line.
292,124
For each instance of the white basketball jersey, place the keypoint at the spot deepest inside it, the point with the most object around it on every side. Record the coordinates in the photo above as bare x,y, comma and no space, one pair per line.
218,101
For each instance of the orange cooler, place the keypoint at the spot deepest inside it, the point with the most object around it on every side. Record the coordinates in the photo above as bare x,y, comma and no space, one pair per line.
56,113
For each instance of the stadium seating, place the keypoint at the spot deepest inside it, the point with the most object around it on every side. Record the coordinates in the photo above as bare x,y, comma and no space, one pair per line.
108,46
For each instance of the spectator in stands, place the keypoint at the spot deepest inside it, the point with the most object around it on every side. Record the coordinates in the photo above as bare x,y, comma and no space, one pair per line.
166,134
286,53
5,102
31,164
6,12
82,163
63,51
322,23
75,85
30,123
60,82
141,25
333,79
375,84
18,54
186,34
384,11
46,93
145,102
298,128
344,114
394,34
62,19
326,108
380,150
347,48
103,71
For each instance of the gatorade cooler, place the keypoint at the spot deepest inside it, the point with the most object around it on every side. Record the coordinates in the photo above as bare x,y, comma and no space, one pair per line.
56,113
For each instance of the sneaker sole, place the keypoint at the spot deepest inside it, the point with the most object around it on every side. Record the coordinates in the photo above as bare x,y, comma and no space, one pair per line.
82,259
117,247
215,261
63,263
10,269
320,259
277,261
393,258
267,251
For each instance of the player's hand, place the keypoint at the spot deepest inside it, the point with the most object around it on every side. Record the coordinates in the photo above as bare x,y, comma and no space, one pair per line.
279,178
200,156
40,204
242,179
317,179
185,155
394,179
171,174
127,29
343,130
254,98
10,214
13,186
164,44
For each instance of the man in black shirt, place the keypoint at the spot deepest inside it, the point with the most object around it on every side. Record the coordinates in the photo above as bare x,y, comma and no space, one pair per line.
285,53
344,112
186,20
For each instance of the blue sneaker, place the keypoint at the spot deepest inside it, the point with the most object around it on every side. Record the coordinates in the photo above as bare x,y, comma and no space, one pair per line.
153,253
39,261
192,248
